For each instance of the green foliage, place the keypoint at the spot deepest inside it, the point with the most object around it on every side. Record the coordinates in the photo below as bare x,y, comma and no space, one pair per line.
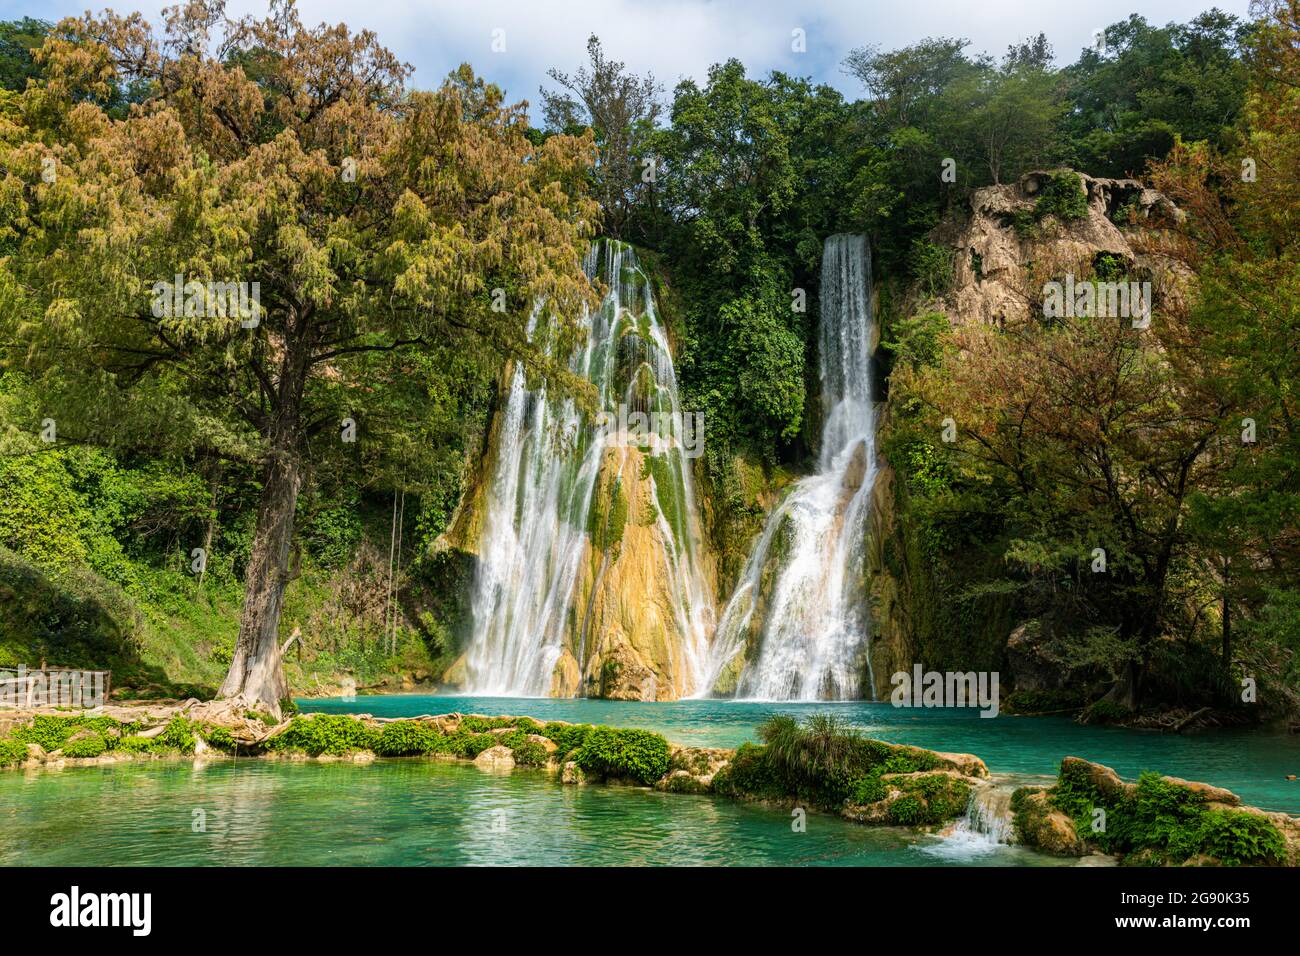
51,733
179,735
12,751
408,738
638,755
334,734
219,738
1151,85
1162,821
530,753
750,775
828,762
932,267
466,745
1062,196
567,737
1241,839
908,810
91,745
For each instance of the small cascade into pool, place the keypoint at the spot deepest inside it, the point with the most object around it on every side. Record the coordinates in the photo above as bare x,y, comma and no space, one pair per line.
986,828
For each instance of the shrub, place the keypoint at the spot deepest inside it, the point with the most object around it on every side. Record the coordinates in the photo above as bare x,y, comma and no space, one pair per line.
567,737
12,751
50,732
1063,197
135,745
467,745
219,738
932,266
479,725
749,775
1166,822
178,735
907,811
867,789
1104,712
530,754
639,755
92,745
407,738
334,734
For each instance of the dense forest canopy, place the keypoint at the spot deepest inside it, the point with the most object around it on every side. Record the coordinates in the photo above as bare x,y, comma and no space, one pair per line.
400,236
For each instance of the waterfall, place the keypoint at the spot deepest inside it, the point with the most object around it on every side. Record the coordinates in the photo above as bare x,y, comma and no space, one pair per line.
547,465
798,616
986,827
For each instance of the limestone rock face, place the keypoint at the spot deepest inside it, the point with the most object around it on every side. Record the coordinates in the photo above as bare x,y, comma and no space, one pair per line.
999,269
631,628
1039,825
691,769
495,758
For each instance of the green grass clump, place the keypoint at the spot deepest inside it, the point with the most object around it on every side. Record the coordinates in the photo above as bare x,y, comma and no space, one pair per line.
135,745
638,755
827,762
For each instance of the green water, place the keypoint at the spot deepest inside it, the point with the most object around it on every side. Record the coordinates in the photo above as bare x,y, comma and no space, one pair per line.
428,812
413,813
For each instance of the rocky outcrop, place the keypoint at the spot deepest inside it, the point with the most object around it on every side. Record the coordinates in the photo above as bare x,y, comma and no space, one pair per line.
495,758
1198,824
1040,825
1005,247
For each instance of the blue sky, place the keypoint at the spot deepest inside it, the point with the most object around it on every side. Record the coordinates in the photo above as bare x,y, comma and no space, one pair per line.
680,38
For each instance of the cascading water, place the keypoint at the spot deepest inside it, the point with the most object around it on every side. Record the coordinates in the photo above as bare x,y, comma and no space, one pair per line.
549,465
798,615
986,828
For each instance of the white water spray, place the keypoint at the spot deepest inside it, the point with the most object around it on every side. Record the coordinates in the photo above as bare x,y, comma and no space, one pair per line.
811,619
546,462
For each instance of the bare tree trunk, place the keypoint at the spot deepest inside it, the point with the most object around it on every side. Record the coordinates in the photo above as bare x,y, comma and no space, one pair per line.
255,669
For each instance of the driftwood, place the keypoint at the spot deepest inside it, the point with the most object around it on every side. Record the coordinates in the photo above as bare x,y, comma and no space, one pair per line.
1191,718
